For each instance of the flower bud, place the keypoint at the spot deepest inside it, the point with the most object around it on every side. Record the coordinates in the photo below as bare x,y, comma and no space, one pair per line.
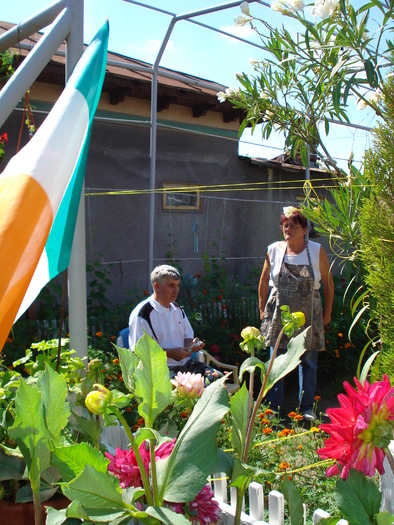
298,319
97,400
251,339
119,399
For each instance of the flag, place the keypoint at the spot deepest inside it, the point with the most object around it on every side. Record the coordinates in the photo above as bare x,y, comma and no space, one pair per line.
40,189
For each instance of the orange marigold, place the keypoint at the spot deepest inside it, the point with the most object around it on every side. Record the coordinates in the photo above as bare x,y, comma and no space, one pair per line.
99,334
284,465
292,414
267,430
268,412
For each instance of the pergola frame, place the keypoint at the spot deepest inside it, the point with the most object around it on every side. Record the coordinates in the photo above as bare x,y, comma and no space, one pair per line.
67,17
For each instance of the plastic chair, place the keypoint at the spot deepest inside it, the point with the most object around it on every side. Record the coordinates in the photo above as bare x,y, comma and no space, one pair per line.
123,338
204,357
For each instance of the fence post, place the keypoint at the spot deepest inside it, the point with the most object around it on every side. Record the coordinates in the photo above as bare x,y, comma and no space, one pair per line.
276,508
256,501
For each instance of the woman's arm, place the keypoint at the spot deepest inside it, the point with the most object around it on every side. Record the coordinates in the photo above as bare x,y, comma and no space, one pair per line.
264,285
328,286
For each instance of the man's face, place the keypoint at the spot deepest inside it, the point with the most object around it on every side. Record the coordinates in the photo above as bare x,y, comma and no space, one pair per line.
167,292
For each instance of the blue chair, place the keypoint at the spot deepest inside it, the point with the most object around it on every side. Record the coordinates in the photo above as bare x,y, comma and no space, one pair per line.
123,338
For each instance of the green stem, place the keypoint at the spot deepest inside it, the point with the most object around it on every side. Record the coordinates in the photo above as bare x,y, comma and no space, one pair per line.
38,519
155,490
251,388
259,399
238,509
141,466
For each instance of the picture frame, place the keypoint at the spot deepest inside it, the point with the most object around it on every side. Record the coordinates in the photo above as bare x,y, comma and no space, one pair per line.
182,200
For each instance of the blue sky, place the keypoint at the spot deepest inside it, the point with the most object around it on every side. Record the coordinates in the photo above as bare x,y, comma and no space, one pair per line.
138,32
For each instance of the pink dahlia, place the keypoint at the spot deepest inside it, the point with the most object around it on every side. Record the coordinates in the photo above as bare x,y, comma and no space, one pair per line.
124,463
360,429
204,509
189,385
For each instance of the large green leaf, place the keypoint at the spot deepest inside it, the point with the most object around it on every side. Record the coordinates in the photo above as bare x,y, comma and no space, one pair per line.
128,361
293,498
11,467
184,473
358,498
249,365
153,383
53,388
96,490
30,431
167,516
285,363
240,418
71,460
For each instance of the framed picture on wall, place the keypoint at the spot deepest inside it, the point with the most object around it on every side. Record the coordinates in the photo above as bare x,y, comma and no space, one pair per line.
181,197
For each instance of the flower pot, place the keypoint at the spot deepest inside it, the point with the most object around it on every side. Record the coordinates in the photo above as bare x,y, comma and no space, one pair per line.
23,513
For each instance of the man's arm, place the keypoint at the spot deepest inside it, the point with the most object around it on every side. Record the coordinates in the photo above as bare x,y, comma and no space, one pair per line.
328,285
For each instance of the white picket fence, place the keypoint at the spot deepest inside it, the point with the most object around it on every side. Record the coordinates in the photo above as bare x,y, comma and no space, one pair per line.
257,514
115,436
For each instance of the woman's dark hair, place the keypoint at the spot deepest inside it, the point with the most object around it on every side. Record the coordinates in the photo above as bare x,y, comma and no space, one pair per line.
296,218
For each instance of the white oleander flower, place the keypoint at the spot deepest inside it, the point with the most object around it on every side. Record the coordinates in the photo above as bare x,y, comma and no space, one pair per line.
253,62
277,5
325,8
361,104
222,97
295,5
375,97
263,95
289,210
242,20
245,8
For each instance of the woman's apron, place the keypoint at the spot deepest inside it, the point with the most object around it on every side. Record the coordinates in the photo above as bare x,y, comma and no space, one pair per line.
296,289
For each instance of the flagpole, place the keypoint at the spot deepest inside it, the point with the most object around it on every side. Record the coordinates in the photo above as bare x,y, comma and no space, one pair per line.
77,306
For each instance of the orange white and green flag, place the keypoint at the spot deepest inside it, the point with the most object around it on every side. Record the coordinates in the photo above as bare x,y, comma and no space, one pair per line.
40,189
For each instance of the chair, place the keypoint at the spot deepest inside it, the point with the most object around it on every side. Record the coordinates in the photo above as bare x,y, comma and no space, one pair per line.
207,359
202,356
123,338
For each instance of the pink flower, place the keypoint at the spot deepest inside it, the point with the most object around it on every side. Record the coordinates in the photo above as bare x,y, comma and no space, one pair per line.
124,466
215,349
360,429
204,509
189,385
124,463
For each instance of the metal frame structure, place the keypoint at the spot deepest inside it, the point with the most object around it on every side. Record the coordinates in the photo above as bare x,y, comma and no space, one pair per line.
66,19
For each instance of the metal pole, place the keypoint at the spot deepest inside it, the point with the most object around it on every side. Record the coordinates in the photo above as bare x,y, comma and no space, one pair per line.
25,28
77,268
33,64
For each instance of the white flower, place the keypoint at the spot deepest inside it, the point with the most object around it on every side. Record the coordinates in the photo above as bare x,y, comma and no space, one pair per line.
277,5
245,8
375,97
295,5
232,92
189,385
361,104
222,97
289,210
269,114
325,8
242,20
253,62
263,95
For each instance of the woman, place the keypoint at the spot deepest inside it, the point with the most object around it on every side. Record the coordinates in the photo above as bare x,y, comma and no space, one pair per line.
294,268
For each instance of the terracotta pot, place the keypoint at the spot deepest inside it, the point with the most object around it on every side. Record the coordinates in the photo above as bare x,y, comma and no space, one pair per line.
23,513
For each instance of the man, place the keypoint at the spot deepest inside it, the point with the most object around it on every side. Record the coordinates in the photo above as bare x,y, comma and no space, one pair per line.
166,322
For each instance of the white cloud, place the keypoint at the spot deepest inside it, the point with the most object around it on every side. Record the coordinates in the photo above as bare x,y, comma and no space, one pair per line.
241,31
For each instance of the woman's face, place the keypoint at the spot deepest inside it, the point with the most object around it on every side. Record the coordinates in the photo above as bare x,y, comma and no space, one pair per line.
292,230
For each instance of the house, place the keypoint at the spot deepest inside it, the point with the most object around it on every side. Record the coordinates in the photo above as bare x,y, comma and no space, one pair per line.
223,205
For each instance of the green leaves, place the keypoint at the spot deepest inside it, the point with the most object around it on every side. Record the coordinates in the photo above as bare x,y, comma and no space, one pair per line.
294,502
183,474
152,376
41,413
358,498
240,419
285,363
